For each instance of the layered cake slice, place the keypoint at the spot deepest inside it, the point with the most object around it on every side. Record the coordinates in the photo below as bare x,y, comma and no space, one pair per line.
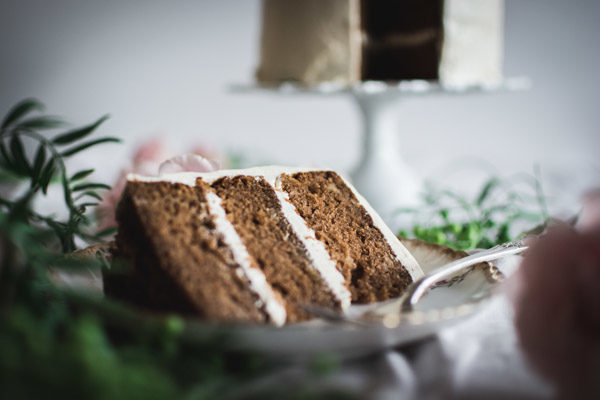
453,42
254,245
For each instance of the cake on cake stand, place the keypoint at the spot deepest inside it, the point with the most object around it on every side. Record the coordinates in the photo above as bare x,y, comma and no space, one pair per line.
382,176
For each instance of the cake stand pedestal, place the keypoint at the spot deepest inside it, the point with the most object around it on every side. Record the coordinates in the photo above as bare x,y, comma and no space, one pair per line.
381,175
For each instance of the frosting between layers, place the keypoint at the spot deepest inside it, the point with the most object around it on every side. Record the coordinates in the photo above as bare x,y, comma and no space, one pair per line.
318,254
256,278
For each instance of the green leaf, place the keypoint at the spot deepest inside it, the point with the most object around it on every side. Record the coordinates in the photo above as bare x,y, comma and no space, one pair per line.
462,202
40,159
77,134
61,231
18,152
21,109
43,122
503,233
47,174
77,149
83,206
66,188
525,215
81,174
90,194
9,176
452,228
485,243
6,159
488,223
499,208
444,214
87,186
487,189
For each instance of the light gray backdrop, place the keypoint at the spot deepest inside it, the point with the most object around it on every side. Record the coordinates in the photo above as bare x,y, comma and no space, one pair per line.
163,68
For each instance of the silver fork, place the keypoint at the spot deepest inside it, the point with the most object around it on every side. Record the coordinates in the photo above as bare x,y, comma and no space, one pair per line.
418,288
410,298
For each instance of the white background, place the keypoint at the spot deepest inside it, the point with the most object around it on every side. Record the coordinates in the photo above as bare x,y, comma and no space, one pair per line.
162,68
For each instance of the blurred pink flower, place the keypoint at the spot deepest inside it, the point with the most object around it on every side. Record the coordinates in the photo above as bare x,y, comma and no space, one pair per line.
590,214
208,151
557,307
149,159
188,162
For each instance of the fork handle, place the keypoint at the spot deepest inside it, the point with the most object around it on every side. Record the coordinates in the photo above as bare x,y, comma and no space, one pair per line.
418,288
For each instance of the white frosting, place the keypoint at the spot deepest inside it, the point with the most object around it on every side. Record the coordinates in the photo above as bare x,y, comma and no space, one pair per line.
473,43
256,278
318,254
270,173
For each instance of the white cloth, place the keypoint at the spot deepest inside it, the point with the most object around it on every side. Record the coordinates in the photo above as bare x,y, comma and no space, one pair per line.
476,359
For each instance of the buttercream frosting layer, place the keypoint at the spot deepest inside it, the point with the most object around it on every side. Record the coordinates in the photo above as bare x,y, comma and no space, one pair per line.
255,277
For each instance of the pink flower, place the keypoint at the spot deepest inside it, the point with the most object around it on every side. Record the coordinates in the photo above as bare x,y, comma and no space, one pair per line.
208,151
590,214
188,162
151,153
149,159
557,307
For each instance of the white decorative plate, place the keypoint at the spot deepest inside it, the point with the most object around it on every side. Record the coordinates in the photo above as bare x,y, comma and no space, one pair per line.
447,303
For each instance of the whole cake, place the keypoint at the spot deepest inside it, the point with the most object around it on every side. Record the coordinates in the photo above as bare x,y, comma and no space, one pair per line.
455,42
253,245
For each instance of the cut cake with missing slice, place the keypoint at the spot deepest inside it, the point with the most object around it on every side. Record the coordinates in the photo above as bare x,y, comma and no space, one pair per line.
254,245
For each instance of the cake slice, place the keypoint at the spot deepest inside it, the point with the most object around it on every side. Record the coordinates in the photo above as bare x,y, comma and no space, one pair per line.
254,245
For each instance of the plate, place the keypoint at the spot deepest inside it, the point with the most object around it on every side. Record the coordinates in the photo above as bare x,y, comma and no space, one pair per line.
447,303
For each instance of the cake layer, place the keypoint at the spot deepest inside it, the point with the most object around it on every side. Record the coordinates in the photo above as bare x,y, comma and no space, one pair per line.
255,245
255,212
401,39
168,235
257,281
371,268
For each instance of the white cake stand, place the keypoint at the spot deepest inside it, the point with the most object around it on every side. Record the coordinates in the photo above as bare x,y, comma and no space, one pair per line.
382,176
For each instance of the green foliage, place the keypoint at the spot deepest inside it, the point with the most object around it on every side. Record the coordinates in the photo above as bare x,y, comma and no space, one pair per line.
490,218
47,163
56,343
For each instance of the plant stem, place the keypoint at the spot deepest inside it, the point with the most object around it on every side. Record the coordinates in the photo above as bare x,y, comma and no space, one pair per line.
539,191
